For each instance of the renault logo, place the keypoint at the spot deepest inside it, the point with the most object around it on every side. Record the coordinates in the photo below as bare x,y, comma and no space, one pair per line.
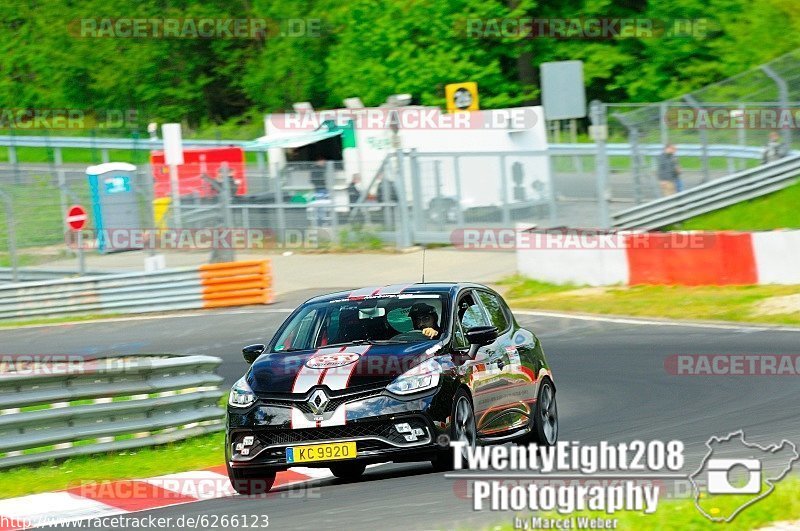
318,402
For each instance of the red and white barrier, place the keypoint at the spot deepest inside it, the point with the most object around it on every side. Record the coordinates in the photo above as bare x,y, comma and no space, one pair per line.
674,258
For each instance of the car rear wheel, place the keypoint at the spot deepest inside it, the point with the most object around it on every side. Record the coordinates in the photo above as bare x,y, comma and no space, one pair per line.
250,482
462,428
348,470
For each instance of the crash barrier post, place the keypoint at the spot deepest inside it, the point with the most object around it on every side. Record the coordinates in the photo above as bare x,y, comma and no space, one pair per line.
188,288
55,407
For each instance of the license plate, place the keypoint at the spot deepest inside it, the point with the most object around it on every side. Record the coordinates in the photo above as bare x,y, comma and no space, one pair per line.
321,452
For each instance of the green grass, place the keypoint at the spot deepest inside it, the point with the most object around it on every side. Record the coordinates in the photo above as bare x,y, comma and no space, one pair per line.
57,320
28,260
679,515
38,215
192,454
727,303
775,211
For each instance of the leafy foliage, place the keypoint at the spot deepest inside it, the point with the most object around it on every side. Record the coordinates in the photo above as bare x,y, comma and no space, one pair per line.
365,48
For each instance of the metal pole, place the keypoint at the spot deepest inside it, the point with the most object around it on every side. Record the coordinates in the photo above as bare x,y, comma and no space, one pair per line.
662,111
703,139
12,157
62,179
262,171
597,115
330,184
417,212
783,96
281,218
12,236
457,177
227,255
176,195
551,192
405,239
81,256
573,137
633,139
437,177
504,191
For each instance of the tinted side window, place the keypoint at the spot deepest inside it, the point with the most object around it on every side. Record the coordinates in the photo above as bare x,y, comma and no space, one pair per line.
494,307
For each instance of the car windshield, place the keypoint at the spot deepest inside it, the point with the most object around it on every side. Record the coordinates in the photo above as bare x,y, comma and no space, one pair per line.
372,320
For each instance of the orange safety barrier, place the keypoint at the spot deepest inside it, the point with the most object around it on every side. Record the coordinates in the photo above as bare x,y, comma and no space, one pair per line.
721,258
236,283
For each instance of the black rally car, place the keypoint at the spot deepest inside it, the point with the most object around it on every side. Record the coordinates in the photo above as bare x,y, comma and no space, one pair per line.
387,373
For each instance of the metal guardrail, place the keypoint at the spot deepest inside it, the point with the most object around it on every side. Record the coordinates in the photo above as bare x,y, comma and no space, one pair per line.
30,275
618,149
683,150
107,142
206,286
77,406
719,193
174,289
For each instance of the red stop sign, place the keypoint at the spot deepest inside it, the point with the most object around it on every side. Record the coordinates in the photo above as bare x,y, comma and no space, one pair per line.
76,217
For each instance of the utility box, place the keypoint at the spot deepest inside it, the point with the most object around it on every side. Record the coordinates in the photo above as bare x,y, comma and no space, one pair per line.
115,206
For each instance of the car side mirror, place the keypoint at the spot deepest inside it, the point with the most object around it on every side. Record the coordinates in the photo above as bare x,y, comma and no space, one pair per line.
251,352
479,336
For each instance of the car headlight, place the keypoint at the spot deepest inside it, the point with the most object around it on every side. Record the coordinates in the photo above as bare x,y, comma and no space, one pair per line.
422,377
241,394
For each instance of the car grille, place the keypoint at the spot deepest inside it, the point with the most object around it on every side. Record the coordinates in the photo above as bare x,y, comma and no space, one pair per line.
382,429
335,401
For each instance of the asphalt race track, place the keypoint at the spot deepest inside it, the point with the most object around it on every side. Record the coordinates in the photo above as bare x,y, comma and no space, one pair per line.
610,376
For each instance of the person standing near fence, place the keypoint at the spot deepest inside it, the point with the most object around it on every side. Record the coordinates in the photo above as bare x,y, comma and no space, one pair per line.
669,171
775,149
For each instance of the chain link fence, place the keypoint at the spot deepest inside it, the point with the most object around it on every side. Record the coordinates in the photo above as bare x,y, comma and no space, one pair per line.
414,197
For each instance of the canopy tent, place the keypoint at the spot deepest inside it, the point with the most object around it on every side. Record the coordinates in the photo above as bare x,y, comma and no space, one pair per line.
311,137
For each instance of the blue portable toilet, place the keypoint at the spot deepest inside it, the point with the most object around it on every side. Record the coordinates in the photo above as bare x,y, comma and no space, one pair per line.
115,206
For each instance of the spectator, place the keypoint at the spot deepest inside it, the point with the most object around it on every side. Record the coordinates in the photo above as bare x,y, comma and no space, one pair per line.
669,172
318,172
386,190
775,149
353,192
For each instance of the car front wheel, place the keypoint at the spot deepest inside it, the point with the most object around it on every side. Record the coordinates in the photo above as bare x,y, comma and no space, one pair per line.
251,482
462,428
349,471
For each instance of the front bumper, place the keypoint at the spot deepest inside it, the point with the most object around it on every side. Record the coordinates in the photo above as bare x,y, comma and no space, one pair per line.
371,421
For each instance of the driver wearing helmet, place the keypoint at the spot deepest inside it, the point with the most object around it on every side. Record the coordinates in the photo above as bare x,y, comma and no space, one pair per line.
424,318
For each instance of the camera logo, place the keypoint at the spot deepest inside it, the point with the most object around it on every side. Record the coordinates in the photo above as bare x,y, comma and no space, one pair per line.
720,479
735,474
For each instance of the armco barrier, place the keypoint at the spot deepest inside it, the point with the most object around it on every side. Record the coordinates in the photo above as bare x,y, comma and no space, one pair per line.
715,258
75,406
207,286
711,196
